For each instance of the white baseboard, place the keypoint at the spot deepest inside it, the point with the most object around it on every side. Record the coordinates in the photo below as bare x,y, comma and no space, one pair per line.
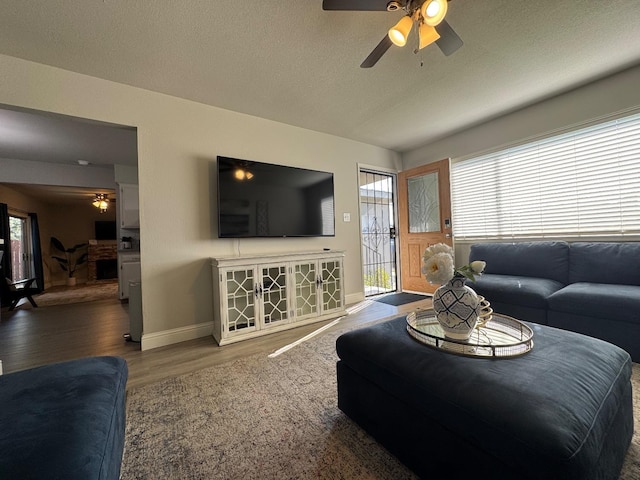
175,335
352,298
182,334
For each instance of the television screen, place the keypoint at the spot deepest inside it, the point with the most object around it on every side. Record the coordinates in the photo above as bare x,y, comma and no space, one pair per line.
106,230
258,199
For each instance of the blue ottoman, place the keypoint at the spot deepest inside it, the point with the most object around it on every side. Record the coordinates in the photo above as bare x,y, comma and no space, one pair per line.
64,421
562,411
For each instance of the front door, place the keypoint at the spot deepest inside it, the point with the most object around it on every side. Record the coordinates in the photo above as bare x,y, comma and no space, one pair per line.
377,228
424,218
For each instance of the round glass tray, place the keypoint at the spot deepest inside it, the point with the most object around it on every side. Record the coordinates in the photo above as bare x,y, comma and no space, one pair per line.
500,337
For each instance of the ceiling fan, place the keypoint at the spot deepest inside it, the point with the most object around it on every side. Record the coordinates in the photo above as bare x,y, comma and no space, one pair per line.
428,15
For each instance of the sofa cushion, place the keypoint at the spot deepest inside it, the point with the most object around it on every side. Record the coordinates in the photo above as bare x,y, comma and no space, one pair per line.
518,290
602,262
599,300
64,421
528,259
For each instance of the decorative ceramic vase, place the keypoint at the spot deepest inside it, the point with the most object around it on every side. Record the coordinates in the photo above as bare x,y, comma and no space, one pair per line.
457,308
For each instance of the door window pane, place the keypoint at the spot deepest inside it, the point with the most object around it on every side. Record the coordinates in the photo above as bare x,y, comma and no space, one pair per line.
424,203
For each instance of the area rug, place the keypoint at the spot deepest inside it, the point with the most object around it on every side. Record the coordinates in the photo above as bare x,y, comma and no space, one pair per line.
80,293
265,418
401,298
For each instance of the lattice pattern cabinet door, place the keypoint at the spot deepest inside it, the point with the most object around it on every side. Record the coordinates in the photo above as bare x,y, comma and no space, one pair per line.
239,300
331,281
273,294
305,276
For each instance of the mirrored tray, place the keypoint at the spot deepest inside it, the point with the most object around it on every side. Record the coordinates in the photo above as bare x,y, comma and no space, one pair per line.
500,337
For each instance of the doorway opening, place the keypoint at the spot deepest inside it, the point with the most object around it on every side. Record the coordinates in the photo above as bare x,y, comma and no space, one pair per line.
21,248
378,232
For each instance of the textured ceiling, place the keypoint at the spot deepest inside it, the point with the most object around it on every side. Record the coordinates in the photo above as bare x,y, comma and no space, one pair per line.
292,62
46,137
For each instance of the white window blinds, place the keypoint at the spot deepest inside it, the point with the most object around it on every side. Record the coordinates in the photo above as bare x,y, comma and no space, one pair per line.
586,182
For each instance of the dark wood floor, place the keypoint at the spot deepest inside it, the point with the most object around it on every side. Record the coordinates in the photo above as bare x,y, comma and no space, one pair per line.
31,337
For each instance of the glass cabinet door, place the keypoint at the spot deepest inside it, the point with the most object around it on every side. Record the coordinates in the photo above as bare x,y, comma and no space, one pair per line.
273,291
305,277
240,293
331,285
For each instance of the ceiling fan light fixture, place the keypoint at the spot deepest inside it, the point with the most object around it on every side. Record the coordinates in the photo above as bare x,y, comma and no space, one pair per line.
433,11
101,201
400,32
427,35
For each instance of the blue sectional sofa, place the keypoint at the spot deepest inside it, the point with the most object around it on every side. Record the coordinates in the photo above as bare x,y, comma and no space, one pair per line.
591,288
64,421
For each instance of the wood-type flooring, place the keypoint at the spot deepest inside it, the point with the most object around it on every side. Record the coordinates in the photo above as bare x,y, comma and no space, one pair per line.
30,337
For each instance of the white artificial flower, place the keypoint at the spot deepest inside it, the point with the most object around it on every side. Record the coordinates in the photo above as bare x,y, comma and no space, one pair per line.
437,248
478,266
438,268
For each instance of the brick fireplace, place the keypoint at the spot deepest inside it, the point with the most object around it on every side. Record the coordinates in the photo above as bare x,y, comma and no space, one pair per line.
102,262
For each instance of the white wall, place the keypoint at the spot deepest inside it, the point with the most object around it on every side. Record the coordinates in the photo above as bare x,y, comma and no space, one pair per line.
178,142
608,96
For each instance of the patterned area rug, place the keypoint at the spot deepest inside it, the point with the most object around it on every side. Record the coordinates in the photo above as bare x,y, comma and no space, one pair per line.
265,418
81,293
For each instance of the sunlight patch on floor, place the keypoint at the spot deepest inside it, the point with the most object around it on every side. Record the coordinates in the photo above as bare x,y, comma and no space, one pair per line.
304,339
350,311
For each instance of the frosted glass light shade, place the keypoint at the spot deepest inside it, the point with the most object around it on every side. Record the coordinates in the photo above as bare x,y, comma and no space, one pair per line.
400,32
433,11
428,35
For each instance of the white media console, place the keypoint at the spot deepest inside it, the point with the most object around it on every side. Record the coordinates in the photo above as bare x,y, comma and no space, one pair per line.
261,294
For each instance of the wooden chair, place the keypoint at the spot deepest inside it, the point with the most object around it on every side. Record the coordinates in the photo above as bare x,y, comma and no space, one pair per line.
16,291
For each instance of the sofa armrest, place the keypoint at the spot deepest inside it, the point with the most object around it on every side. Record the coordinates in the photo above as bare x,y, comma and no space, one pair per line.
64,420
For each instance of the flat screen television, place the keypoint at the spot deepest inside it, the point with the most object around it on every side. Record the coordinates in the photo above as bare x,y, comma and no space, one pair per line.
106,230
258,199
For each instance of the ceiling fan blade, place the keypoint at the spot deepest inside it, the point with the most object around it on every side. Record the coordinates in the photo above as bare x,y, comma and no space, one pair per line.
370,5
449,40
377,53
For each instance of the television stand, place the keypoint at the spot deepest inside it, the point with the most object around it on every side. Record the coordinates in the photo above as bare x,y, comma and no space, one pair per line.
260,294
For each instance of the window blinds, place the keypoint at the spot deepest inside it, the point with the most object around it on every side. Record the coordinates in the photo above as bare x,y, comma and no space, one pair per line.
586,182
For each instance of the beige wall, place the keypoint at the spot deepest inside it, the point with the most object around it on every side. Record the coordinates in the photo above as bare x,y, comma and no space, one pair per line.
178,141
611,95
